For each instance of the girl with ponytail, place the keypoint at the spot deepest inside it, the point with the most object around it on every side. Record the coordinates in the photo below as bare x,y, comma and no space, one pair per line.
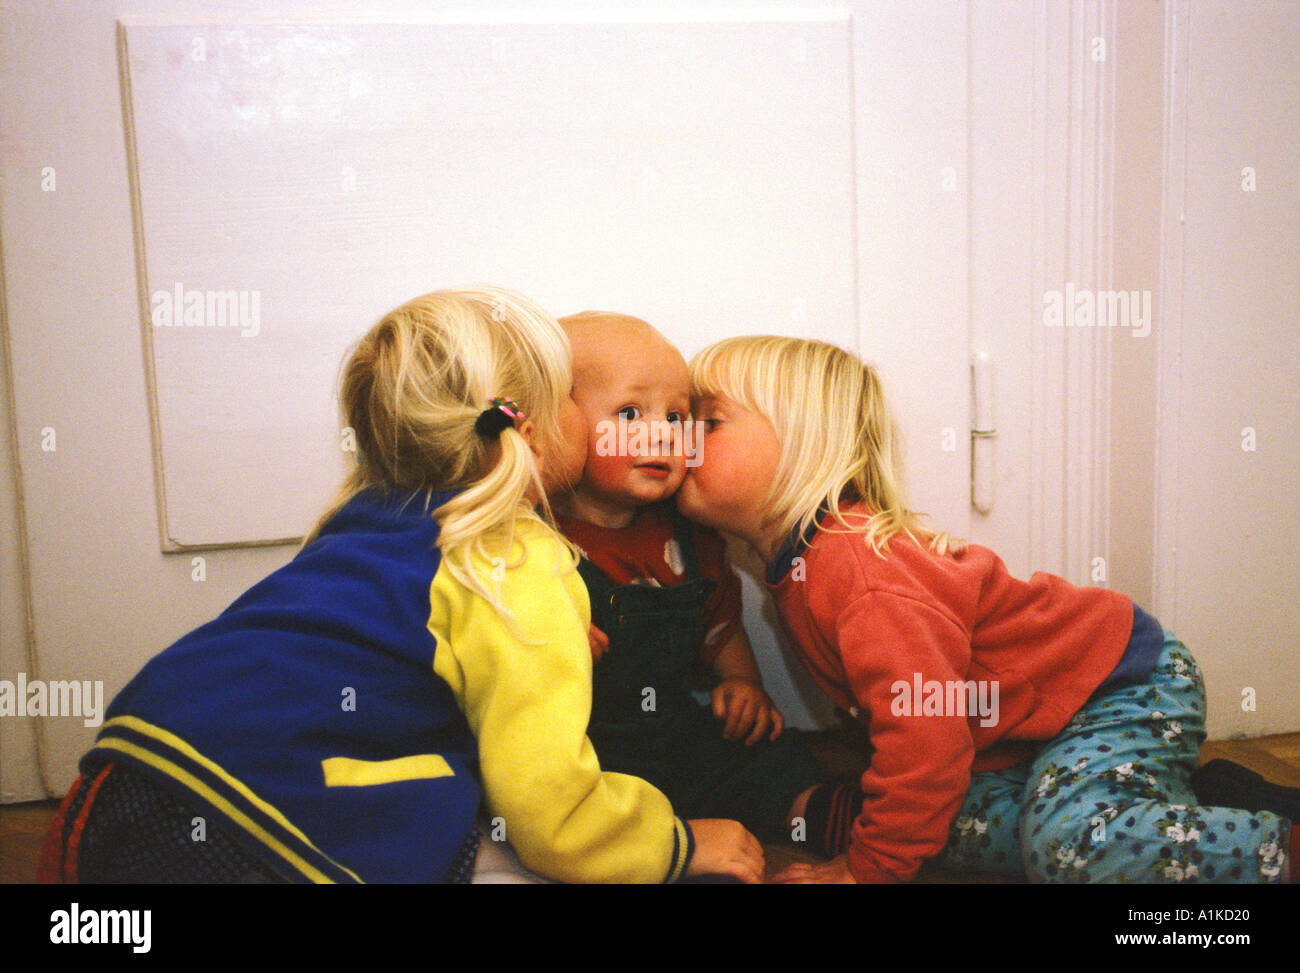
424,658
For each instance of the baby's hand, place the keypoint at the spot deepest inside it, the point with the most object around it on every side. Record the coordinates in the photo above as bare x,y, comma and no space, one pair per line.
724,847
599,643
747,709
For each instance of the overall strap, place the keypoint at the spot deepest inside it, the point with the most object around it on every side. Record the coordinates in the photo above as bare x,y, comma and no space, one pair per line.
599,590
682,530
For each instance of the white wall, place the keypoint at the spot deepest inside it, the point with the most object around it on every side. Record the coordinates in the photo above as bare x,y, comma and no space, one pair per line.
1198,531
1139,71
1227,526
105,597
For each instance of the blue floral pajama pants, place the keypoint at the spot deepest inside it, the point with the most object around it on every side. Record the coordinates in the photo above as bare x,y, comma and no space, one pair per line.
1109,800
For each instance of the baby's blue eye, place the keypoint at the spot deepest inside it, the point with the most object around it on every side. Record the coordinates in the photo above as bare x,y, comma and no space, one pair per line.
635,413
676,417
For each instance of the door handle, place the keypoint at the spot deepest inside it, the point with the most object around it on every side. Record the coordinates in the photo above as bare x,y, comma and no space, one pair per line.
982,433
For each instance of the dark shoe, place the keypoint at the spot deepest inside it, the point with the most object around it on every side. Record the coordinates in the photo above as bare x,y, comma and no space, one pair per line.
1222,783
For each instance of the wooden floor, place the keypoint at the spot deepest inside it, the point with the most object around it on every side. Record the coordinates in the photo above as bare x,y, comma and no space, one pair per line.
22,826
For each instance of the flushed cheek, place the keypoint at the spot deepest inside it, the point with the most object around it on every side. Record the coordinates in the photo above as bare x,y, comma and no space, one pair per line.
711,483
607,469
710,499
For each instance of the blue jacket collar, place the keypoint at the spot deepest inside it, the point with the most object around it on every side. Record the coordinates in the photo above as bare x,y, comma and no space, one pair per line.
793,546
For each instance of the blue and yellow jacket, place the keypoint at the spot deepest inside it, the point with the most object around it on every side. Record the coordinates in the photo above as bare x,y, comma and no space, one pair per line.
347,714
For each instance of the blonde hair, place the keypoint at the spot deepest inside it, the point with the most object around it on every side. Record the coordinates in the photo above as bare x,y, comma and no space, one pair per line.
838,440
411,391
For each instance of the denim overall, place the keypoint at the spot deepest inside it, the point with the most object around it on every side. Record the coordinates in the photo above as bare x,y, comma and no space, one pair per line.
645,721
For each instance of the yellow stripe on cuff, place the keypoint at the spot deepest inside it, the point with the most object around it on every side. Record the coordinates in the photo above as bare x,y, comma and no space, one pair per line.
683,844
348,772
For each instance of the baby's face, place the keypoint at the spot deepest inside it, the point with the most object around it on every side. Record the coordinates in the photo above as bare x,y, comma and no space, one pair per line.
634,392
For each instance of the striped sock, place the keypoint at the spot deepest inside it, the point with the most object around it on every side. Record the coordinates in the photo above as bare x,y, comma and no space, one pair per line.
831,810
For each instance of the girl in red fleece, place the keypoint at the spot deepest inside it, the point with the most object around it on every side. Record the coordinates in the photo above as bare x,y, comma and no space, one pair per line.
1027,727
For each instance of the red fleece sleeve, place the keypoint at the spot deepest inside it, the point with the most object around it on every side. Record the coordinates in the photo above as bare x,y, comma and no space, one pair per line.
921,766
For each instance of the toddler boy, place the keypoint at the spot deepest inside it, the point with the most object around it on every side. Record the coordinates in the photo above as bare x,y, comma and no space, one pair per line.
664,603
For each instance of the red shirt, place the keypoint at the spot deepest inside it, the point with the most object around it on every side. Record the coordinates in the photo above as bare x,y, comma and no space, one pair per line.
646,552
865,626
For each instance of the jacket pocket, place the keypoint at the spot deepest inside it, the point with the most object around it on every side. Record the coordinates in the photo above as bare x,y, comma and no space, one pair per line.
350,772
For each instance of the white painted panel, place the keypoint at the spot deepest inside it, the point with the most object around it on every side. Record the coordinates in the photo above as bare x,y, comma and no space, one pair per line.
912,186
1228,534
698,175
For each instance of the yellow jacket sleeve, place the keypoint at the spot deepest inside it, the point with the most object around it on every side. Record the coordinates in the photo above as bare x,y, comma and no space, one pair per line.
527,697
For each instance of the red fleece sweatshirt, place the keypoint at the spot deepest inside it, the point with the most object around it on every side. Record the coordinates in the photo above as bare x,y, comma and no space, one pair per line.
865,626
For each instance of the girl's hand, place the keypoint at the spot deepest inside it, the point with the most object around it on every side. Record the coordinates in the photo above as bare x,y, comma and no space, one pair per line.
747,709
834,872
724,847
599,643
